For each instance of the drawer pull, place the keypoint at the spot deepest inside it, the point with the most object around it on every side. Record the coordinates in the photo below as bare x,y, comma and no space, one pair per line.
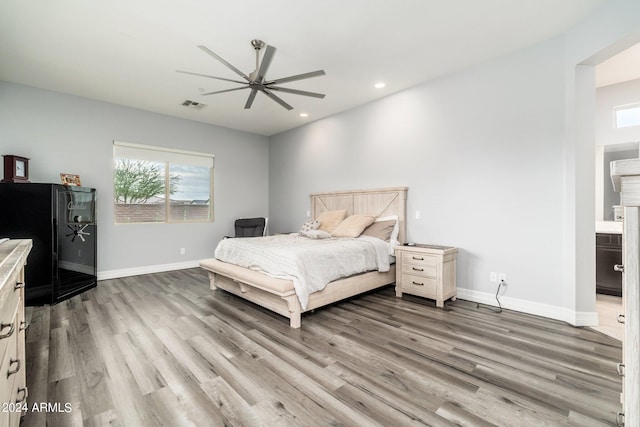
418,284
620,419
620,318
618,267
620,369
25,393
7,325
418,269
18,286
16,370
23,325
418,258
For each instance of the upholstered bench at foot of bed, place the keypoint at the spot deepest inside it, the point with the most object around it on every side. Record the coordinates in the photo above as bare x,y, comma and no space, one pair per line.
275,294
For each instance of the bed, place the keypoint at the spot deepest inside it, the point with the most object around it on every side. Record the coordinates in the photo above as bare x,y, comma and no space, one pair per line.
279,294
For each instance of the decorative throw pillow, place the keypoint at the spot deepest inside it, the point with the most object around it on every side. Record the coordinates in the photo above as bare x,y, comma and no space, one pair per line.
316,234
380,229
310,225
396,228
393,240
330,219
353,226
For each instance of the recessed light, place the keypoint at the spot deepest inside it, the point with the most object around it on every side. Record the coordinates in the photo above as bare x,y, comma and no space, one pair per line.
379,85
304,115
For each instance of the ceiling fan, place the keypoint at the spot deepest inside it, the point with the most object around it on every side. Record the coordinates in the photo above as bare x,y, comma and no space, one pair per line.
256,80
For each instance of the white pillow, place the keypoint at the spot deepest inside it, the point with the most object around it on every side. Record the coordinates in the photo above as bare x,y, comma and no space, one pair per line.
310,225
393,240
316,234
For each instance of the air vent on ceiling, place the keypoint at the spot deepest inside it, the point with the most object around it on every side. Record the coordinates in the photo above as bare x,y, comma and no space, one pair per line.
194,104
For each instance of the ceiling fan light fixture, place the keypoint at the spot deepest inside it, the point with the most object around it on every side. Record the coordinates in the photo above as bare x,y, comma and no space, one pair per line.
303,115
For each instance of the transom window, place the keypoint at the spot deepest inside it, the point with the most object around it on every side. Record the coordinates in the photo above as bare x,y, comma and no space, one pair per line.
627,115
157,184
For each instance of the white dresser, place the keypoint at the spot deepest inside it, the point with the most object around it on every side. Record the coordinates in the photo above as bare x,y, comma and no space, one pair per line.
625,175
13,381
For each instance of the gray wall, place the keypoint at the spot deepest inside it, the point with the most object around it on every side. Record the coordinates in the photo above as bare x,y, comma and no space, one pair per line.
481,152
62,133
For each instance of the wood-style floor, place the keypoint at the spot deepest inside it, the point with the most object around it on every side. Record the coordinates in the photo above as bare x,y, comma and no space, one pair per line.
608,308
162,349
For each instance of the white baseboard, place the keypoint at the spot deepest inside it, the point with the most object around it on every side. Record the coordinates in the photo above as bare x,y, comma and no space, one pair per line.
549,311
136,271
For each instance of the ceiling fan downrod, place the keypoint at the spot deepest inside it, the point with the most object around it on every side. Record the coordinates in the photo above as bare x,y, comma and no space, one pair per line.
257,45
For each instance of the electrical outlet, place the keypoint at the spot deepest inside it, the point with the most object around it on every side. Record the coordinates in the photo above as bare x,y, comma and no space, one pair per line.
182,251
502,277
493,277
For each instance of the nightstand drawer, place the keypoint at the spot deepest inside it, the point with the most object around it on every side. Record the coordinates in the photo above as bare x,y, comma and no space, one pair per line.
419,259
417,285
420,270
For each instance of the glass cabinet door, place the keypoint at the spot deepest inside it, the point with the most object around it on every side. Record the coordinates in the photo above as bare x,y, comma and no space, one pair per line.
76,246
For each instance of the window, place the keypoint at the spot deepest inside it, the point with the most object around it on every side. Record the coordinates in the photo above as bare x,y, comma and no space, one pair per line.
627,115
155,184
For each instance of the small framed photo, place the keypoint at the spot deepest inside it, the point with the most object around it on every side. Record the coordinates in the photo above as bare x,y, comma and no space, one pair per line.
69,179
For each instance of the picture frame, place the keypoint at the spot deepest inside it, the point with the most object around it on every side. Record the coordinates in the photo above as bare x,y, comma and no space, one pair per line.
70,179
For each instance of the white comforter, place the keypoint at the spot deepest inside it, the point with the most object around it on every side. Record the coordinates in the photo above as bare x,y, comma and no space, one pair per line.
311,264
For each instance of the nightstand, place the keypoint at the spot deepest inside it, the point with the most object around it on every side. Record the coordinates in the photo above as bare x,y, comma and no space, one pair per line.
426,270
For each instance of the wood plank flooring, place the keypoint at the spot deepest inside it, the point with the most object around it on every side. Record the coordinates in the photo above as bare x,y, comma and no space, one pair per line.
164,350
608,308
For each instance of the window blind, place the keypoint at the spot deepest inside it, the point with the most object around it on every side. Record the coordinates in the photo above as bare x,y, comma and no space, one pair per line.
127,150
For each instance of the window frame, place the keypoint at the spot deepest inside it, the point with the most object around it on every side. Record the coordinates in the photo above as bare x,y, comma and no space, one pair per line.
168,157
633,106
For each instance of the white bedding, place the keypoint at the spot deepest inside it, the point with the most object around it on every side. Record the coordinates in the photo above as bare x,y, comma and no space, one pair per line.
309,263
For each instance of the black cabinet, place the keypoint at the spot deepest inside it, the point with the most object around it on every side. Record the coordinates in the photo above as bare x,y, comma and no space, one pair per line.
608,254
61,222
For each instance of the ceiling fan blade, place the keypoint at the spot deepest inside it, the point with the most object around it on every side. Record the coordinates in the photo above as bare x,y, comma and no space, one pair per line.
211,77
266,61
226,90
298,92
297,77
252,96
231,67
278,100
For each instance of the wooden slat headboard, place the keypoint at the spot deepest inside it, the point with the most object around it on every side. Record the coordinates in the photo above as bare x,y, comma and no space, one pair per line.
377,202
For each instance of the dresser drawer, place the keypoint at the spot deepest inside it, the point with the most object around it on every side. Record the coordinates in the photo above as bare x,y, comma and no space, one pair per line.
9,296
420,270
10,331
419,259
418,285
9,364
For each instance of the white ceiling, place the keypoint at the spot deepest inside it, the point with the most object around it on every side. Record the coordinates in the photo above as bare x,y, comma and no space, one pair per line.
126,51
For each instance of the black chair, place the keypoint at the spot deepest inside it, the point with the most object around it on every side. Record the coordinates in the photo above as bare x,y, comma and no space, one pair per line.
251,227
